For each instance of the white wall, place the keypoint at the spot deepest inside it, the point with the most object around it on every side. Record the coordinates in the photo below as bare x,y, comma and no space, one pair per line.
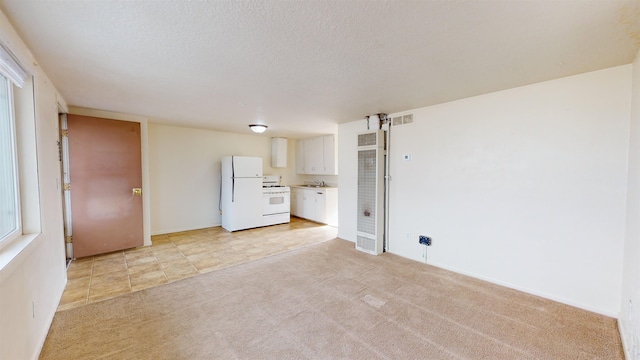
524,187
629,318
31,282
184,167
348,186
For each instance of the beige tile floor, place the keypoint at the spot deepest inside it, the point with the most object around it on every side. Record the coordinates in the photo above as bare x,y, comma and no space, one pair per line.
180,255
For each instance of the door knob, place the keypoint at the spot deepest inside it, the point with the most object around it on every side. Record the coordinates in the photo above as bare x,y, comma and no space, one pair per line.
136,191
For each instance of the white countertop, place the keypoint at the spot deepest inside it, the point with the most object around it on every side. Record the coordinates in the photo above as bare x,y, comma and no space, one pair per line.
312,187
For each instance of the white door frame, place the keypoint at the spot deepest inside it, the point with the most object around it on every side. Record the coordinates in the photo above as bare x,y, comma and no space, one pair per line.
66,200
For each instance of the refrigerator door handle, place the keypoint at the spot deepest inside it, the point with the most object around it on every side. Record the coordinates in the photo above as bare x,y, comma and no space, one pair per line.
233,181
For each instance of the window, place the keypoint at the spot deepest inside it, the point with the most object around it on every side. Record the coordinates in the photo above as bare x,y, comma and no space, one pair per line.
9,204
11,74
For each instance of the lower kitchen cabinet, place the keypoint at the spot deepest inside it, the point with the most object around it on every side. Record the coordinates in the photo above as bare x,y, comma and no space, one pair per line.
315,204
308,204
293,201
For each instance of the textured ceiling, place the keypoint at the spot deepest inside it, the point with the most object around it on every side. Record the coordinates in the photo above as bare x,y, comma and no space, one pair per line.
303,66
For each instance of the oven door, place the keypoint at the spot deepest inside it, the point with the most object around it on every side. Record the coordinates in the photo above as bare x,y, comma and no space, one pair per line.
277,203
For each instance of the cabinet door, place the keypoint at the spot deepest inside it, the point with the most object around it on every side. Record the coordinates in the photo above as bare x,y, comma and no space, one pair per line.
309,204
321,206
300,157
329,155
293,201
331,207
300,208
278,152
313,155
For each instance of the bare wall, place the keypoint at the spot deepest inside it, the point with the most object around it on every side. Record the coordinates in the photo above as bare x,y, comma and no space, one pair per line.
629,319
32,281
524,187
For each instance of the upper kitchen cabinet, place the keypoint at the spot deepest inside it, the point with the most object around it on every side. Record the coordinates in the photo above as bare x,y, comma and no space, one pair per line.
330,155
278,152
313,155
317,156
300,157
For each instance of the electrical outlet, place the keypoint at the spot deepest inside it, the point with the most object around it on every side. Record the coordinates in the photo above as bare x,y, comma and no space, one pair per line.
424,240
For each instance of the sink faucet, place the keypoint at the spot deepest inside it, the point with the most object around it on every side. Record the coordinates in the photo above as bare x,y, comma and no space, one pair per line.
319,183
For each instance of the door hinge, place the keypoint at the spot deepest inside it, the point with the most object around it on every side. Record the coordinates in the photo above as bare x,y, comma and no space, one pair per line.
64,133
66,186
68,239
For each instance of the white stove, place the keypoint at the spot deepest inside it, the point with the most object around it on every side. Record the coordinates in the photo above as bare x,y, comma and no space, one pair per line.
275,201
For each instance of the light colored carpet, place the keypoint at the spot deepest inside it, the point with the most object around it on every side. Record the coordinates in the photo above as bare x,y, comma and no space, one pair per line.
328,301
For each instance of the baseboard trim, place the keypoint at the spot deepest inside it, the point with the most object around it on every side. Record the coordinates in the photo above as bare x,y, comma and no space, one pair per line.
625,341
181,229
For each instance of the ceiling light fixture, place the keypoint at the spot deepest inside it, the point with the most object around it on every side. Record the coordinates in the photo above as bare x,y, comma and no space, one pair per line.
258,128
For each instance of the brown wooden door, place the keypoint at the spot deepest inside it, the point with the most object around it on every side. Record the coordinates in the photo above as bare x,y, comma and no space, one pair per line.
105,167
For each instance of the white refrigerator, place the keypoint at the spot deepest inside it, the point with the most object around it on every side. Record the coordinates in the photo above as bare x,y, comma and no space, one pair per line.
241,192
